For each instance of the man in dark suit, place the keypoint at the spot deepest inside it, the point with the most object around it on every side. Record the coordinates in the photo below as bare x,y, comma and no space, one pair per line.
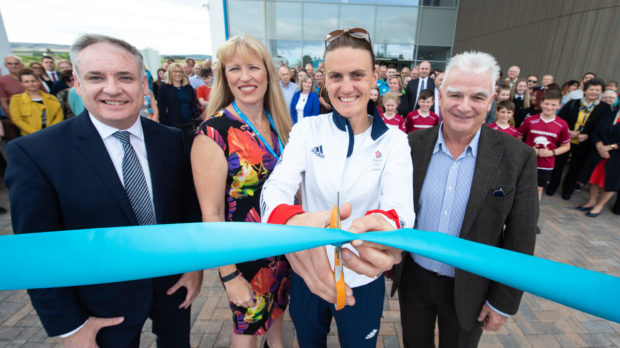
106,167
473,183
414,87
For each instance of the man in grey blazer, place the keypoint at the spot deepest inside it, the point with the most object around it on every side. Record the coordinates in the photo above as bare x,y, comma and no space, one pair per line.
471,182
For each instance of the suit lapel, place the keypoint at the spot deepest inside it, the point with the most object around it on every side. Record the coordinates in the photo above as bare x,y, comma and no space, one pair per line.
489,154
89,144
155,152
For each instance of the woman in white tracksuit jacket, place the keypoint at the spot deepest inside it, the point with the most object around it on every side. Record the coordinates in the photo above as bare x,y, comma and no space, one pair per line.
351,152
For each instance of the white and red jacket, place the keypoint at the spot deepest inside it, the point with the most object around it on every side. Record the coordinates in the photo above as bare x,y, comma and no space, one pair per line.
371,170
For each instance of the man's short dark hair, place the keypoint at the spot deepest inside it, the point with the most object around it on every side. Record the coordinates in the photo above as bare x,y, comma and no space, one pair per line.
426,93
552,94
506,104
66,75
391,66
26,72
205,72
588,73
594,82
47,57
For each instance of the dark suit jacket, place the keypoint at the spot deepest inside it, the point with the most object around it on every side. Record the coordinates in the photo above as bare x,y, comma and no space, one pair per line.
411,92
62,178
502,162
168,105
570,113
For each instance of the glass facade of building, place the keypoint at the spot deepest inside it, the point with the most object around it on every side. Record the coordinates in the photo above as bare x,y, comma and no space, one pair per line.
402,31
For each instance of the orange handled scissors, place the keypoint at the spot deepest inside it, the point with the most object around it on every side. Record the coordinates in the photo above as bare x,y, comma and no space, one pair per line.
341,295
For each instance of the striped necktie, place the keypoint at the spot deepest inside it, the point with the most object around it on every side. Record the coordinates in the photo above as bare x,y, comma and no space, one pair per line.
135,183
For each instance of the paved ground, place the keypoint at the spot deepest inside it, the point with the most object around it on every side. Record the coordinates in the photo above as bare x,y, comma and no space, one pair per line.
568,236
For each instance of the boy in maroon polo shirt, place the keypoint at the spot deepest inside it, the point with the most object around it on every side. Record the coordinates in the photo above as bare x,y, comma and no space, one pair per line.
548,135
422,117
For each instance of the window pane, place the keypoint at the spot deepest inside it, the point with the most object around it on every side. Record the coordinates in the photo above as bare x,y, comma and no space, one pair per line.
288,51
394,51
357,16
442,3
433,53
319,20
245,17
284,20
313,50
396,25
399,2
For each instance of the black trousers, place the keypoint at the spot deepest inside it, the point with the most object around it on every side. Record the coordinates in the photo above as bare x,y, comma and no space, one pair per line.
424,298
579,155
171,325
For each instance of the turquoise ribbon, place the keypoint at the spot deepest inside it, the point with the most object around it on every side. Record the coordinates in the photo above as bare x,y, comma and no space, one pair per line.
103,255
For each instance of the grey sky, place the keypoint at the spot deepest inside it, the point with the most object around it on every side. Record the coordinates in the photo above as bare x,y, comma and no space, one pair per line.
170,26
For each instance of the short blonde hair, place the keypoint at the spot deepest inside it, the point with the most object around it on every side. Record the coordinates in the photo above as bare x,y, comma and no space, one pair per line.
171,67
221,96
303,79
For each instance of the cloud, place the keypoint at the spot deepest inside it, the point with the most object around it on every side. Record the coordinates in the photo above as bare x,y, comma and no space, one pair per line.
172,27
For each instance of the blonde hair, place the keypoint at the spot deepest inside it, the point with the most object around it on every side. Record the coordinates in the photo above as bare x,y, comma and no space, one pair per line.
221,96
171,68
303,79
527,100
391,96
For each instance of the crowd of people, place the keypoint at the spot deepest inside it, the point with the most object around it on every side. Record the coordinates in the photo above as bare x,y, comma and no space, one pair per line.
246,140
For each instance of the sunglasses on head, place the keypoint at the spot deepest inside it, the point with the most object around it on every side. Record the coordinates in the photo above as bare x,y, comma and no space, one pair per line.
358,33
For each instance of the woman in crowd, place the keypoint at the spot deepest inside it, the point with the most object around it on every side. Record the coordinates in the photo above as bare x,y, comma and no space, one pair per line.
63,96
568,87
177,102
396,87
46,82
520,95
582,117
610,97
605,179
376,97
233,154
161,75
330,156
34,109
305,102
319,78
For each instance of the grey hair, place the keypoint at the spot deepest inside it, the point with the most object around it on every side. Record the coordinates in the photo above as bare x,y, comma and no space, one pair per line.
475,62
16,57
85,40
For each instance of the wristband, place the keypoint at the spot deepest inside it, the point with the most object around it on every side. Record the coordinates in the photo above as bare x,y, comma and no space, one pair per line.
553,153
231,276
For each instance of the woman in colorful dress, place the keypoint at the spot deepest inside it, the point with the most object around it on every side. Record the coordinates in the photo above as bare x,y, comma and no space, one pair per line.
234,152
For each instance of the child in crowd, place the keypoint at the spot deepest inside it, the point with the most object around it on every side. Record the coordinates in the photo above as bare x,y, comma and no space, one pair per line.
422,117
390,117
203,91
503,93
505,121
376,97
548,135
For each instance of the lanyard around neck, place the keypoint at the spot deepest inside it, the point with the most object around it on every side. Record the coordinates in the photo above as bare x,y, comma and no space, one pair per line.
260,137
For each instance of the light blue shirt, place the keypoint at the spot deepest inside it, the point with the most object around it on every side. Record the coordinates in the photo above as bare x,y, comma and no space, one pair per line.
196,81
288,92
444,195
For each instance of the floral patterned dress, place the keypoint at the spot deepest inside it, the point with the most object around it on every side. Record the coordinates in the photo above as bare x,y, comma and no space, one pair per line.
249,165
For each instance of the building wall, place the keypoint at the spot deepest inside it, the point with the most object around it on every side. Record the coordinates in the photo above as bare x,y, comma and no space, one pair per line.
565,38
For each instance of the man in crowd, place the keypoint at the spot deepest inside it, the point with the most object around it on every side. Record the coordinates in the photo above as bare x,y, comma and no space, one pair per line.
9,86
110,167
513,75
391,71
414,73
532,82
309,69
546,81
50,68
194,79
288,88
382,80
414,87
436,107
474,183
